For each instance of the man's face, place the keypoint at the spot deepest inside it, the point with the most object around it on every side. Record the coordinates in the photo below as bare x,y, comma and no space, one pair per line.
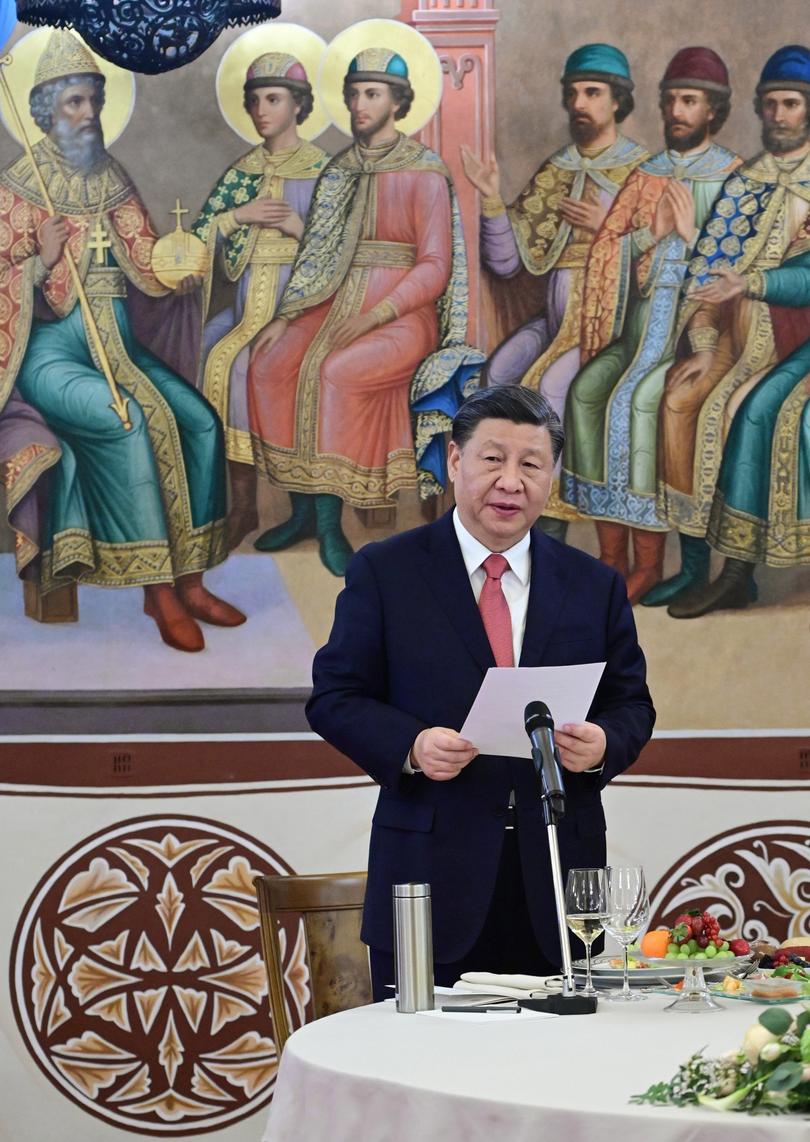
272,109
76,127
502,480
784,121
371,106
591,108
687,115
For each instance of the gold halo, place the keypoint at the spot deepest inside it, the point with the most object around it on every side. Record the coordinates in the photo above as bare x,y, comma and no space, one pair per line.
119,89
306,46
424,69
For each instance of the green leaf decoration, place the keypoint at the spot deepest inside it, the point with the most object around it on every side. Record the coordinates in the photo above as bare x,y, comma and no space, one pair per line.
804,1044
776,1020
785,1077
802,1022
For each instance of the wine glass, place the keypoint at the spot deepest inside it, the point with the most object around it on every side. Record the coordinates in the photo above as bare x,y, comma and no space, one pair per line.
585,910
628,910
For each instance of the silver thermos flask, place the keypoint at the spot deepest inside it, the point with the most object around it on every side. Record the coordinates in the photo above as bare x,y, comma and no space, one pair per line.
413,947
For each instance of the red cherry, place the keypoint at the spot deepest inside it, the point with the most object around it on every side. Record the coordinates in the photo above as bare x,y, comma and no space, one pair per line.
702,941
697,925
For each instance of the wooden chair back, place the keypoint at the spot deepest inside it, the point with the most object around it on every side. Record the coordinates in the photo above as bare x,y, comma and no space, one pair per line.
331,908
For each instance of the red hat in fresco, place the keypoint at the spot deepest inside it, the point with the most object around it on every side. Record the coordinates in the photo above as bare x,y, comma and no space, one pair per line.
697,67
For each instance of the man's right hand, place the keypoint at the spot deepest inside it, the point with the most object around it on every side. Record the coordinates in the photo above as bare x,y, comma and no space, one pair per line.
441,754
272,333
485,177
53,234
264,211
690,371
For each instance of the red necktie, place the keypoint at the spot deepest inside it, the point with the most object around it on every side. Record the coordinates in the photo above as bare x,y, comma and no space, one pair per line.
495,610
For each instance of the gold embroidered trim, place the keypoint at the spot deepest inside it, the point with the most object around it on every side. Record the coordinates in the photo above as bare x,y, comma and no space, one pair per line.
105,281
336,475
274,252
492,206
227,224
384,311
755,284
703,338
372,252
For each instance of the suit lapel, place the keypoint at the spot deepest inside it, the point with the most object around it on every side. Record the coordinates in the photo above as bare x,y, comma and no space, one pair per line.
443,568
546,593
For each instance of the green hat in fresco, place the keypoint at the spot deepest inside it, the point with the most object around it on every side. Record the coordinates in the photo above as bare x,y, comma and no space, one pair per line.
602,62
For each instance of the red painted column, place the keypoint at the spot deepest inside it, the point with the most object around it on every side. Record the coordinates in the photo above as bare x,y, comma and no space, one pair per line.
463,34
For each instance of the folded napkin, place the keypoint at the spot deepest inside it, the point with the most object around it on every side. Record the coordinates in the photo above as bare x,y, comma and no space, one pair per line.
514,986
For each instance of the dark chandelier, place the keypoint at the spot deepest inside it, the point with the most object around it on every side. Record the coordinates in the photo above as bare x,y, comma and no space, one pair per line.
148,36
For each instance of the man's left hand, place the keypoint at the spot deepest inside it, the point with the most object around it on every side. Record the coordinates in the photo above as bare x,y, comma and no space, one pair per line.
582,745
351,328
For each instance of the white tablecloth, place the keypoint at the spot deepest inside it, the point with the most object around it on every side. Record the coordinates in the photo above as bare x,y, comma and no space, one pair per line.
372,1075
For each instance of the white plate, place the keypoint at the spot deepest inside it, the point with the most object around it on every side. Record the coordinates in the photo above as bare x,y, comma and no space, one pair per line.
657,969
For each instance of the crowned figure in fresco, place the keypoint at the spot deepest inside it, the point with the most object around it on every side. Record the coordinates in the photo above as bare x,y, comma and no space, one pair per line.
548,231
760,219
636,267
130,496
252,223
369,332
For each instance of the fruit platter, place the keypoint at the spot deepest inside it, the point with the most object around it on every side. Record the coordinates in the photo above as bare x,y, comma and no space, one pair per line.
694,936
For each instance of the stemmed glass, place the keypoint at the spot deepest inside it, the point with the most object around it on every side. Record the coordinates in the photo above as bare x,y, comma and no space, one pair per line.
628,910
585,910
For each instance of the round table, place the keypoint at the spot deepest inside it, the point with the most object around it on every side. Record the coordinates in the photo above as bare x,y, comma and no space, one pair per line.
374,1075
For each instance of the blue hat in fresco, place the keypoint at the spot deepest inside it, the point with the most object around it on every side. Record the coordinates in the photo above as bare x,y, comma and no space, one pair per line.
378,65
788,69
602,62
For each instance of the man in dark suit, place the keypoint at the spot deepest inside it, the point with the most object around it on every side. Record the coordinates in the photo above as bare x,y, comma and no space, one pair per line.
422,617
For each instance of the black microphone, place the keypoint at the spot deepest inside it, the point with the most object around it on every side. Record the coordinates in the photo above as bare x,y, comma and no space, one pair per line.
540,728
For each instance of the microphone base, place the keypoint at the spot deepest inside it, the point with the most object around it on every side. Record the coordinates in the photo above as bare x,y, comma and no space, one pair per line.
561,1004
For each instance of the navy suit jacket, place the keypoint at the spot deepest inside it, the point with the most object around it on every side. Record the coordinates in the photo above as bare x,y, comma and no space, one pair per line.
408,650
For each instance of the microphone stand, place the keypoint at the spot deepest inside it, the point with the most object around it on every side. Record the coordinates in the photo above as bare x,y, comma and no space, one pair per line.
553,801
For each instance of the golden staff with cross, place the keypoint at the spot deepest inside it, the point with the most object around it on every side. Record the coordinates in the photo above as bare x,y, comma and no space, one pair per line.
119,404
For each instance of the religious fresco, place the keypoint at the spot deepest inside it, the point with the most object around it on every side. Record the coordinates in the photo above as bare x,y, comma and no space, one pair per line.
267,386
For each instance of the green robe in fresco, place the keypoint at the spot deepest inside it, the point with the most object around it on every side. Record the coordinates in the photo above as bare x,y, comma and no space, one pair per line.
761,508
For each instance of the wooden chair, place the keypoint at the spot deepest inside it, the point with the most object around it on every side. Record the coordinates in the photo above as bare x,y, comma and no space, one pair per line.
331,908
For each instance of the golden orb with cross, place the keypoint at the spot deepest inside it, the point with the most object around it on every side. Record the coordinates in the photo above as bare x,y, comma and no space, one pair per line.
179,254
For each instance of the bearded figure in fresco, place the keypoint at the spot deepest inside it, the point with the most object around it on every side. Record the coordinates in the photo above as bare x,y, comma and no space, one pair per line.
760,219
637,265
127,504
370,326
252,223
549,229
761,507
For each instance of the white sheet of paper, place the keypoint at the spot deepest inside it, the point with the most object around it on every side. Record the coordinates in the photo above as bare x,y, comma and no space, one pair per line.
495,723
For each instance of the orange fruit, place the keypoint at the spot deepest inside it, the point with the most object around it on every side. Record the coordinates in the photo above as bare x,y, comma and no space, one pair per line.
655,943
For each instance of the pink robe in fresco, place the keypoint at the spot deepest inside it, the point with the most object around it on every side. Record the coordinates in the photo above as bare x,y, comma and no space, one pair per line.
338,421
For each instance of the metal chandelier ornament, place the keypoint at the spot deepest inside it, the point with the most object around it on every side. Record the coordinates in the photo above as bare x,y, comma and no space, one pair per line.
148,36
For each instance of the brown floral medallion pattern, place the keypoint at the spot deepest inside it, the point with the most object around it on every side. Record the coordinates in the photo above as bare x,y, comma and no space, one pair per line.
754,878
137,976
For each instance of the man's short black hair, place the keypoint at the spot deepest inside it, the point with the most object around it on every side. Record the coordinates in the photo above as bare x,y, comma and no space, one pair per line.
508,402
